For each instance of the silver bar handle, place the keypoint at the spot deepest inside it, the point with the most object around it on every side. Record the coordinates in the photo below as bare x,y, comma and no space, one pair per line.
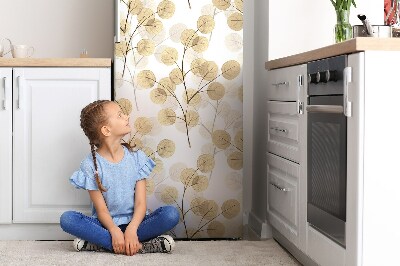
283,83
20,88
346,81
335,109
117,22
5,93
279,187
279,129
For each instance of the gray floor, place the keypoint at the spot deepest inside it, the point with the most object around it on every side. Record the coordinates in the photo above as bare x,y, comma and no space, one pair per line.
240,252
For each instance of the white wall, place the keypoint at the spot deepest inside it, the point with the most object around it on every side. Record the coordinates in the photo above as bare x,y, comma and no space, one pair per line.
301,25
59,28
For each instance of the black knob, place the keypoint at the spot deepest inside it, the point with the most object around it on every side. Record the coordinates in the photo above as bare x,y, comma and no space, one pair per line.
333,75
314,78
324,76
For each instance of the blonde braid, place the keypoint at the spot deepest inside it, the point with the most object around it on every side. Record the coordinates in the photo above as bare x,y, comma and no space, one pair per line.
96,173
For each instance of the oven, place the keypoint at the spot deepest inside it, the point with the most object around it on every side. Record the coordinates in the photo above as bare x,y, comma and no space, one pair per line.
327,148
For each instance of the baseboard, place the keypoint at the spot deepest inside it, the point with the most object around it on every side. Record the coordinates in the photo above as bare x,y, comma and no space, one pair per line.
260,228
292,249
33,232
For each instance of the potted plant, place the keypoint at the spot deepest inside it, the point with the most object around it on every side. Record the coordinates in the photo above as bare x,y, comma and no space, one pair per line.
343,29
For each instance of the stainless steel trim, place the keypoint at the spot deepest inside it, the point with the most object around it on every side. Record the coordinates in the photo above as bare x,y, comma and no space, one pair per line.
286,83
5,93
279,187
336,109
117,22
346,80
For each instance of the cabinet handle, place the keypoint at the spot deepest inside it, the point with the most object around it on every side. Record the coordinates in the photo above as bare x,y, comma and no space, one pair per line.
279,129
20,88
284,83
279,187
5,93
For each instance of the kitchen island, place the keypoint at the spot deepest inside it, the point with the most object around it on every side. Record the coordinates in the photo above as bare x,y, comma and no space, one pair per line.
369,96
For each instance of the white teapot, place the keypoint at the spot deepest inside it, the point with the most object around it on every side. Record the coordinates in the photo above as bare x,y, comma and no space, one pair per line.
2,46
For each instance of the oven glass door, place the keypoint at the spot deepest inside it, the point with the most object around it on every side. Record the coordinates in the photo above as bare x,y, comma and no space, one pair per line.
327,166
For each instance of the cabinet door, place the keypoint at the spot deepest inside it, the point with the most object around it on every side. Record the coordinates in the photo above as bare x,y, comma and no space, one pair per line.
5,146
283,196
48,142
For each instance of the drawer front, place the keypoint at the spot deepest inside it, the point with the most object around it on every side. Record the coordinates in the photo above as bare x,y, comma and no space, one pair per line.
284,84
283,196
283,130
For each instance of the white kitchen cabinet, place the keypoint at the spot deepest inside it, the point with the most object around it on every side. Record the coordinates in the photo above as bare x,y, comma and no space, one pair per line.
47,144
285,124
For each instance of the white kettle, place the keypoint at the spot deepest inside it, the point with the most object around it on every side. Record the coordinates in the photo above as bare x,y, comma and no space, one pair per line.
2,46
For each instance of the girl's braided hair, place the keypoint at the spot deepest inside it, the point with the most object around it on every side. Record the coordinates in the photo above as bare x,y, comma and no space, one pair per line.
93,117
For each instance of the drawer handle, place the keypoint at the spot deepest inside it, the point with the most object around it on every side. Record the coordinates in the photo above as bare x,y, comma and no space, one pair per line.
279,129
279,187
284,83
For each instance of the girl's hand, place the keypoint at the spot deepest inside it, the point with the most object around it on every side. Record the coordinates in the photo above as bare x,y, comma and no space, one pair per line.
118,241
132,244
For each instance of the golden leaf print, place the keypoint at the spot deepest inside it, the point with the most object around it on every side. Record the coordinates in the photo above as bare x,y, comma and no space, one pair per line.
239,5
192,118
222,4
137,143
143,125
121,49
125,27
209,70
205,163
205,24
125,105
146,78
167,85
239,140
235,160
166,117
154,26
187,176
215,229
235,21
149,153
175,32
200,44
135,6
230,208
191,97
234,42
195,206
196,65
187,37
167,194
158,96
150,186
166,9
176,76
159,166
175,171
145,47
169,56
230,69
200,183
209,209
166,148
145,15
216,91
221,139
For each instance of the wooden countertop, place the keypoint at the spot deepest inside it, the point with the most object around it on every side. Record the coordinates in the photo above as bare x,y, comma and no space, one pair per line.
55,62
348,47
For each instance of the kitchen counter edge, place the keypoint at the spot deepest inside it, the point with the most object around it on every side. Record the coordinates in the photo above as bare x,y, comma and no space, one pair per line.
55,62
348,47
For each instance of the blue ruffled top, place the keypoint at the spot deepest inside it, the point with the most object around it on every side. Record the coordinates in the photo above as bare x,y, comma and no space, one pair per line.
118,178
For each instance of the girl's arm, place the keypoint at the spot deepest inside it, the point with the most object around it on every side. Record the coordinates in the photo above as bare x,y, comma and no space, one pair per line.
104,217
132,244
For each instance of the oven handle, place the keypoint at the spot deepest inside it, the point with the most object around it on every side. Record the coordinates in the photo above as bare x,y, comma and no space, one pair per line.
335,109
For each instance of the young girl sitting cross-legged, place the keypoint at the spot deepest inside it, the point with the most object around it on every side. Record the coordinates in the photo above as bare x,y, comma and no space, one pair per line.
114,176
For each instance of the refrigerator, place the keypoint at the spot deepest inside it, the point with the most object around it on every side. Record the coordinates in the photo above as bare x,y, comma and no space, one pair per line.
178,74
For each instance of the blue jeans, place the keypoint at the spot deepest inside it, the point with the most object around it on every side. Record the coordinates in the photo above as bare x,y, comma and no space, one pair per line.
90,229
